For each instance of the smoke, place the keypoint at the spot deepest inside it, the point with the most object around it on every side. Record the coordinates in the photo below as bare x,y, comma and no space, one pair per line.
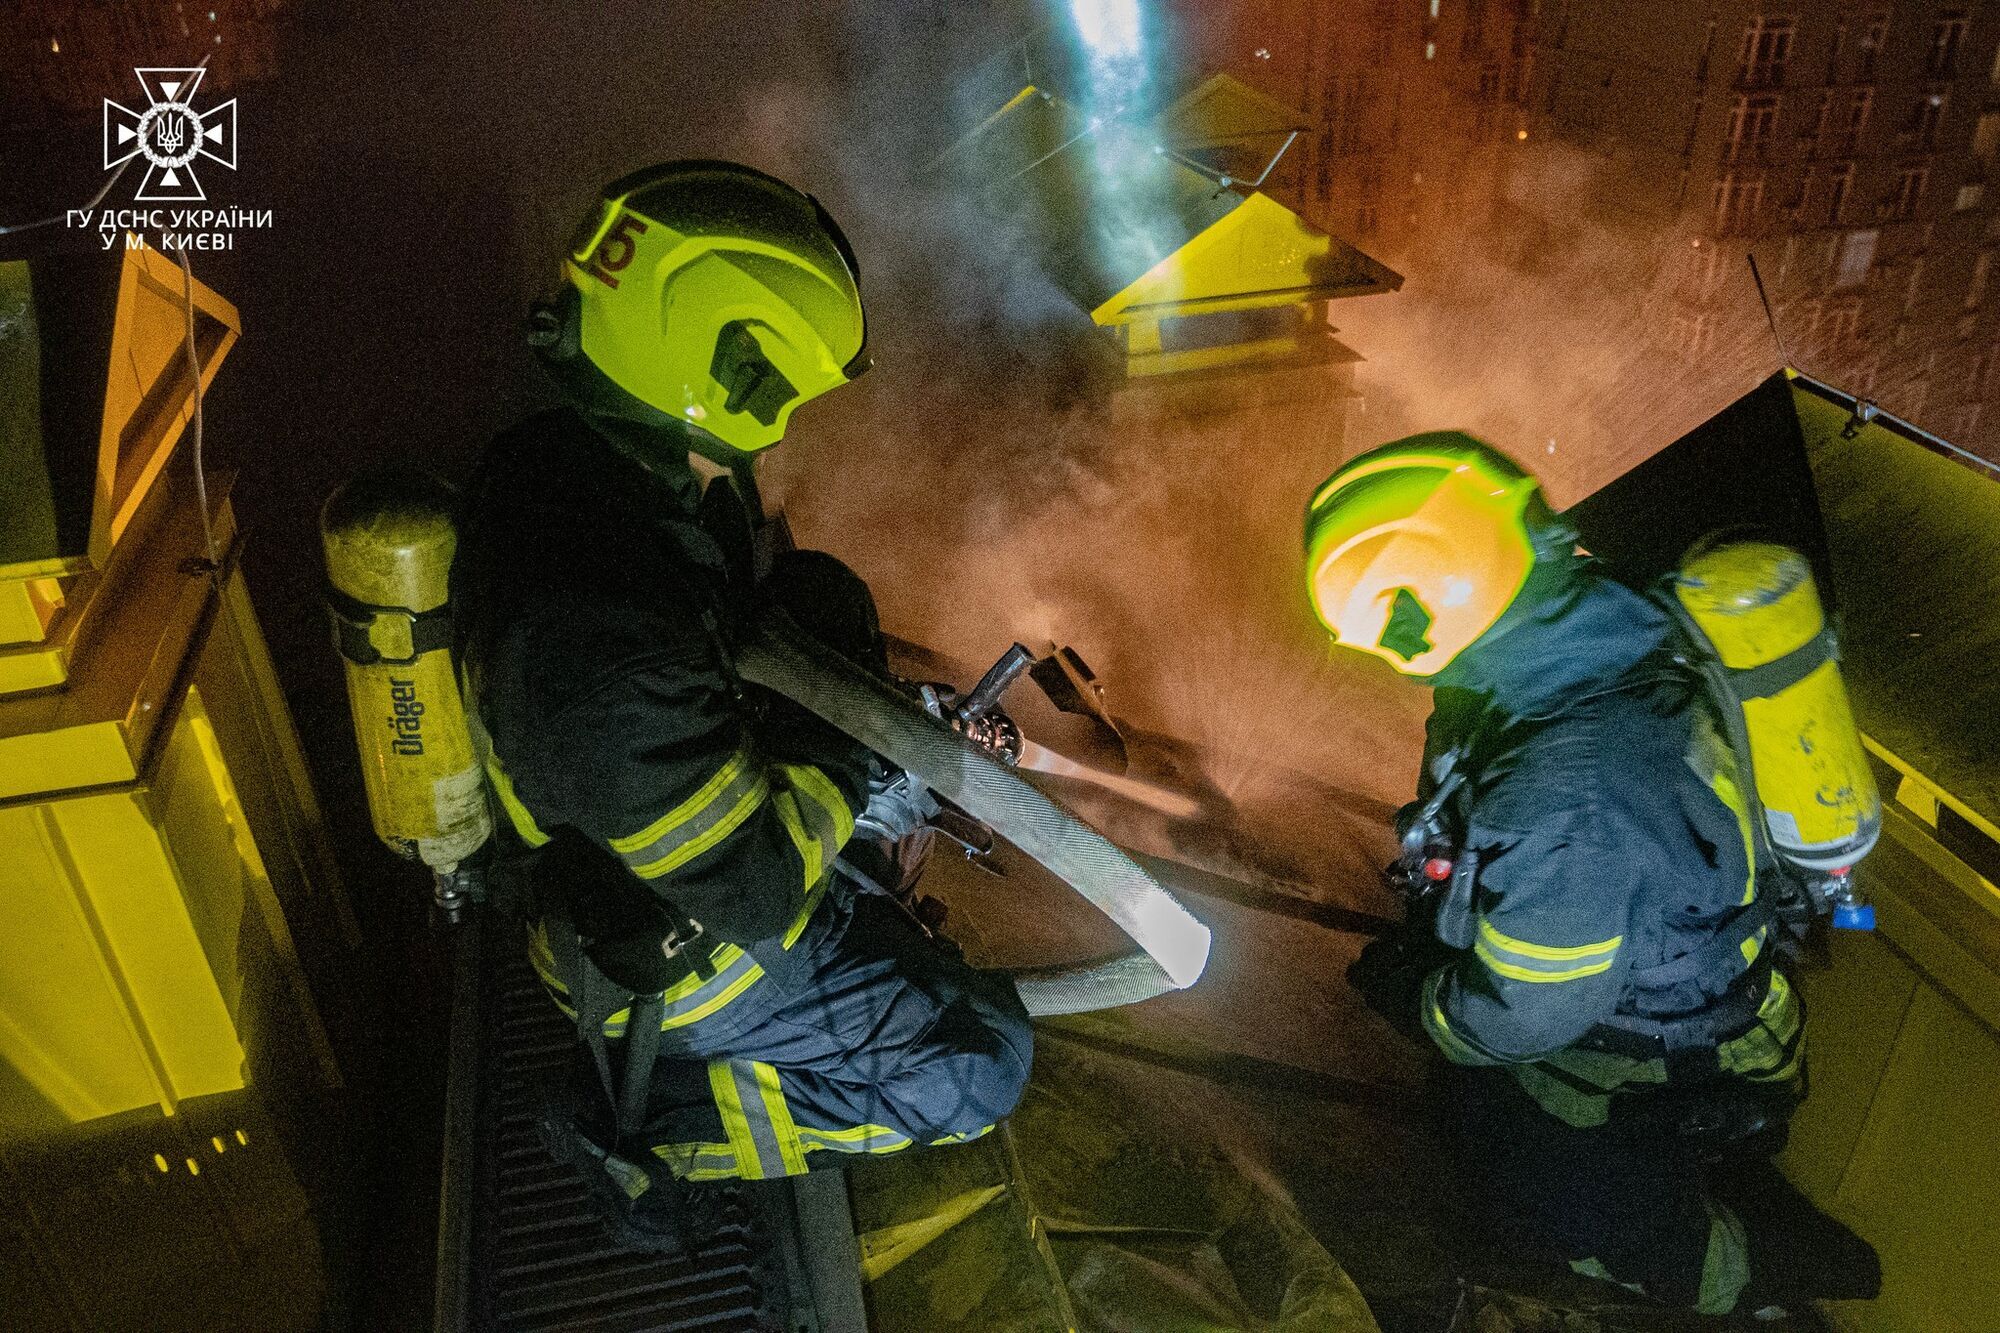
993,482
992,485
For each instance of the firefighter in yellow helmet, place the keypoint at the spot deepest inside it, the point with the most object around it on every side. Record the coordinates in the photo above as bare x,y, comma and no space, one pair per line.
743,1010
1589,937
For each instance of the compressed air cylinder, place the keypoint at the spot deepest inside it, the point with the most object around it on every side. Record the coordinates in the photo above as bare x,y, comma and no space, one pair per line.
389,542
1759,608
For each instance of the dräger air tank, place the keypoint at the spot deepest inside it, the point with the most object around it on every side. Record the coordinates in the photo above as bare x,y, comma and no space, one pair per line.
389,541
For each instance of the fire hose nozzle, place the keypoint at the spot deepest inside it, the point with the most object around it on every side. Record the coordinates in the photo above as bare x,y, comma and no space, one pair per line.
981,699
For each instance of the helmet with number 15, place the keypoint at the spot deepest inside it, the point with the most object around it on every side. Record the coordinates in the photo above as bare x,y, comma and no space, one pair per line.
709,296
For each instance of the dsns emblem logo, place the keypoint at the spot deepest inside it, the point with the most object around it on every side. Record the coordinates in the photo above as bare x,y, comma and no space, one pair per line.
170,134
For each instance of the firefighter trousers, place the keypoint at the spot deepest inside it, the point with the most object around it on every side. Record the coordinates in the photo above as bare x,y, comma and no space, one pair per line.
1634,1200
893,1041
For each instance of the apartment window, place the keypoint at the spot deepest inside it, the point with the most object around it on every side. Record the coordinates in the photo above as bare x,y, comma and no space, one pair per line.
1821,117
1350,121
1872,38
1489,83
1751,123
1908,193
1692,334
1947,36
1986,373
1967,424
1838,183
1738,199
1706,266
1853,121
1841,321
1795,209
1920,392
1969,195
1986,137
1982,273
1519,76
1862,377
1856,257
1474,35
1922,127
1767,45
1368,200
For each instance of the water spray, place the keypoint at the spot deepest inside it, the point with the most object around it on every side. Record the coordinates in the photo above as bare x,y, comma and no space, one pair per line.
1173,804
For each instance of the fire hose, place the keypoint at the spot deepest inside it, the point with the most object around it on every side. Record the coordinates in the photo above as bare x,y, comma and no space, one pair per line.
1173,946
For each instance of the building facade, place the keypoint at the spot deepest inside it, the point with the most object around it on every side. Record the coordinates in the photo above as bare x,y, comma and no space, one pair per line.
1852,148
1849,148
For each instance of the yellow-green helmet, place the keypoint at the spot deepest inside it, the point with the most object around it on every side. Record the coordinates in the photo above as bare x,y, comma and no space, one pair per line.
710,294
1416,549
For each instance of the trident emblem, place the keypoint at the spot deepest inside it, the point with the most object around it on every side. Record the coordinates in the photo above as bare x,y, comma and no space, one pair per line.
170,134
172,130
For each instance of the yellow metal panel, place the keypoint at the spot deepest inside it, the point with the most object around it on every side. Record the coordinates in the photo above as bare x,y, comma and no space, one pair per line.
27,605
129,886
1856,1009
36,669
255,735
1224,110
147,402
64,1028
120,921
1259,254
89,755
1913,532
1924,1185
220,873
1939,911
1923,796
130,665
1214,358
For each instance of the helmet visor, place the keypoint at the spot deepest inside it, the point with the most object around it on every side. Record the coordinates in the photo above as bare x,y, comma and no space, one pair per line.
1412,559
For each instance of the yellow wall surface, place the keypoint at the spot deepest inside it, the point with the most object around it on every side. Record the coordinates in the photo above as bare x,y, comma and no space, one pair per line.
1900,1136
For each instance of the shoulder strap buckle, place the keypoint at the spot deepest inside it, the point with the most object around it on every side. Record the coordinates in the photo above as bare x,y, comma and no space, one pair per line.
680,938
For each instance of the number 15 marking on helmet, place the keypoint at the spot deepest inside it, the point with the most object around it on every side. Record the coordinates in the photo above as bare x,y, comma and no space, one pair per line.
615,252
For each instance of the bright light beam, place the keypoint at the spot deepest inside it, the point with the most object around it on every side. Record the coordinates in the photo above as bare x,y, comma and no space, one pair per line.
1110,28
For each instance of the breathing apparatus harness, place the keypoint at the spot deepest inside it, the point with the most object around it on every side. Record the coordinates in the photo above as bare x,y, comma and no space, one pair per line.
725,553
1436,873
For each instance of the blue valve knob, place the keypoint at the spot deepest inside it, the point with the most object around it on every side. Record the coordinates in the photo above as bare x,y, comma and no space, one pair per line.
1854,916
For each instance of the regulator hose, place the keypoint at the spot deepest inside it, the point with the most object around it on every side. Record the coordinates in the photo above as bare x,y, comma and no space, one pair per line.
1173,946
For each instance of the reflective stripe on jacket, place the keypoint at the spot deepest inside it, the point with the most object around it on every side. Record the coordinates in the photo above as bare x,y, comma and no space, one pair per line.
591,602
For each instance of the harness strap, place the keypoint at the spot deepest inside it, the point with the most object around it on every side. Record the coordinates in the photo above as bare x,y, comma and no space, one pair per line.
1688,1042
1711,953
642,1048
354,623
1780,674
596,999
588,990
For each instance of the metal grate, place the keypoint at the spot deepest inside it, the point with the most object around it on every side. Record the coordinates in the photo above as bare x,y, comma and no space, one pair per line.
540,1256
